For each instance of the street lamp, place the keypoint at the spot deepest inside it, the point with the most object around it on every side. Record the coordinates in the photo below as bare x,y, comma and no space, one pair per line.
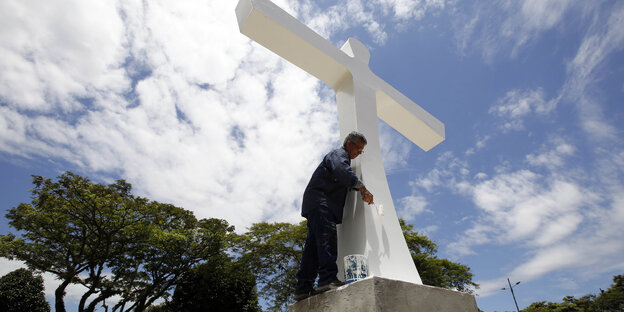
512,292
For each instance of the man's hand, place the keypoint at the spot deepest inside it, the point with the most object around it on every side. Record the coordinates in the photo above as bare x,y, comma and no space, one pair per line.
366,195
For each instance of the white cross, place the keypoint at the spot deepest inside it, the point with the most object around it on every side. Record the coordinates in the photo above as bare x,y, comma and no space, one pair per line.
361,97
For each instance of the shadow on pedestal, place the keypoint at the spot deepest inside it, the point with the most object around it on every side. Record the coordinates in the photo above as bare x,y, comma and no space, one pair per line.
381,294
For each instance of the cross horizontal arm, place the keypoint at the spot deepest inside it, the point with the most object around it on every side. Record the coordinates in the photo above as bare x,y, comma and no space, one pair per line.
278,31
407,117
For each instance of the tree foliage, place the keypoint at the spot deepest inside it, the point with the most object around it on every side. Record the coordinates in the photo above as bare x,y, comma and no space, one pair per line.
111,242
611,300
20,290
273,251
176,242
218,285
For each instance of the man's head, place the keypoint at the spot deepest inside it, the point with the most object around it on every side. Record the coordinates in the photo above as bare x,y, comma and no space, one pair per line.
354,144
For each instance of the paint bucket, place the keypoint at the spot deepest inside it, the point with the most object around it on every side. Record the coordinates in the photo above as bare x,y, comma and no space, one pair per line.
355,268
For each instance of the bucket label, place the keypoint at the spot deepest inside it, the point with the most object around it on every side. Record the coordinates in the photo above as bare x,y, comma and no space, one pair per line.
355,268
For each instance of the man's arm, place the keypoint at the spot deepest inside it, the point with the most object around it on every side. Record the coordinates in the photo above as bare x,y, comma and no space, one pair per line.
366,195
340,166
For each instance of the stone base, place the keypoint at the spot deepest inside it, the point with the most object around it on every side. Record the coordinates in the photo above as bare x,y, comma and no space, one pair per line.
381,294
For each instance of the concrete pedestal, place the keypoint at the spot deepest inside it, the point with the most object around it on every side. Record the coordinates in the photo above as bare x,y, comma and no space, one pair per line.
381,294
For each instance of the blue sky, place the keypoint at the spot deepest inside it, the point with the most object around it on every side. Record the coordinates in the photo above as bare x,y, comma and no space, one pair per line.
529,183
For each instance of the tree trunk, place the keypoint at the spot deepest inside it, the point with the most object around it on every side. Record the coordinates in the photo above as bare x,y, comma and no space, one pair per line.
83,300
92,305
59,293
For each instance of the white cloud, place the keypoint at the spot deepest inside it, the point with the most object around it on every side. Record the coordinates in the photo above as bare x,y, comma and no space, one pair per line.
568,283
464,31
542,15
552,157
565,219
595,249
395,148
521,206
171,97
481,143
480,176
344,15
600,250
428,230
55,53
476,235
411,206
374,17
214,123
449,171
411,9
585,69
508,27
516,105
534,17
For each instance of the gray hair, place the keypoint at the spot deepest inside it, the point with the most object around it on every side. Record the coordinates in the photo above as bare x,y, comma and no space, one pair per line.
353,137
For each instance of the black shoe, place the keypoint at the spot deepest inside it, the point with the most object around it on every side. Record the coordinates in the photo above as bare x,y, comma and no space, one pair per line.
330,286
301,296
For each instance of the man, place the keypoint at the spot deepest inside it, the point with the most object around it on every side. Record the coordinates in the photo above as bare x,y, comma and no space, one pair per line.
323,202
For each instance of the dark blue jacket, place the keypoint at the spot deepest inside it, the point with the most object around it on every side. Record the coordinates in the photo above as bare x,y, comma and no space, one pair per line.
331,181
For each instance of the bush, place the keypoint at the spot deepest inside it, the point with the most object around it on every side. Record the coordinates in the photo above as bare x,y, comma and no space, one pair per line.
20,291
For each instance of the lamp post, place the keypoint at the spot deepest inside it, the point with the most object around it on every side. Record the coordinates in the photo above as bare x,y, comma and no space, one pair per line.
512,292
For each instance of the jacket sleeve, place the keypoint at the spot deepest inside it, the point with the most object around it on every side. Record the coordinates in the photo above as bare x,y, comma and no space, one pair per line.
339,165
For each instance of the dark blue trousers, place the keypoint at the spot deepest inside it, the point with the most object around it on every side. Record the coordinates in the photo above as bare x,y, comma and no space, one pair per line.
319,253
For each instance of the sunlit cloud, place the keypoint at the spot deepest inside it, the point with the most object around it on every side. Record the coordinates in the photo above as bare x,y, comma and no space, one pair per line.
587,67
506,28
171,97
552,210
517,105
411,206
552,155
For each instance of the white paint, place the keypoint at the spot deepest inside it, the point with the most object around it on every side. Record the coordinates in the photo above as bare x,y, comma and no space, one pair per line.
361,97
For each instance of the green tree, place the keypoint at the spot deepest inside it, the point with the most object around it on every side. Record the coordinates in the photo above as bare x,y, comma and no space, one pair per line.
154,266
613,298
566,306
273,251
20,290
585,303
544,306
218,285
109,241
71,228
